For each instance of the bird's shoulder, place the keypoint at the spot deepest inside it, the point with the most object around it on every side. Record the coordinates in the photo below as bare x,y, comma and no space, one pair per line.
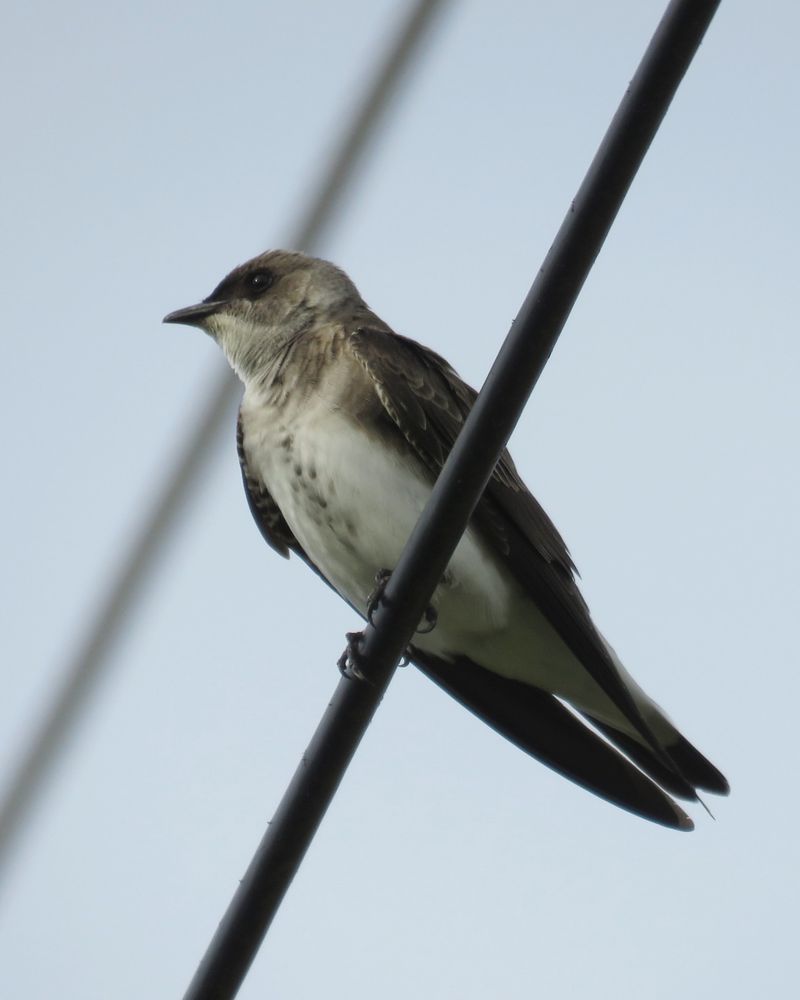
428,402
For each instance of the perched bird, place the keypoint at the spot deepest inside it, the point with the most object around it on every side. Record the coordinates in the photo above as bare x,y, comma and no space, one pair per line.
342,430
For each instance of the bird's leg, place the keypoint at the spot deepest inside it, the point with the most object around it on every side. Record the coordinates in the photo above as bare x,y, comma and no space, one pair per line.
377,596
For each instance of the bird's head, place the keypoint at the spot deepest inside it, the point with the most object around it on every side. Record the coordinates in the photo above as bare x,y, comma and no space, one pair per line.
264,304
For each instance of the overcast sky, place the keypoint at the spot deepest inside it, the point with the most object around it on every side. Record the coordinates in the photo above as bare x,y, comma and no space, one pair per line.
150,147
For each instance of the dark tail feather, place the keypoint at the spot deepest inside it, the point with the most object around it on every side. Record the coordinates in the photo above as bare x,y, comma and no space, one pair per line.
539,724
693,765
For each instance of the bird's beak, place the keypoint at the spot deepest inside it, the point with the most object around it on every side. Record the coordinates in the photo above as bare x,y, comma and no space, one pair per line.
194,315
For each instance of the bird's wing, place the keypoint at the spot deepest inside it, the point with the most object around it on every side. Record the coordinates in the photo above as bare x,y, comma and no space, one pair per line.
428,403
266,513
540,725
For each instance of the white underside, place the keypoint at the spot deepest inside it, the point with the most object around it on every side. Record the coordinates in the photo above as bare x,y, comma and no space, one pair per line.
372,504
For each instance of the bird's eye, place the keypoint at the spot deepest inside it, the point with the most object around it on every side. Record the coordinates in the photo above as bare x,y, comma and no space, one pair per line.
259,281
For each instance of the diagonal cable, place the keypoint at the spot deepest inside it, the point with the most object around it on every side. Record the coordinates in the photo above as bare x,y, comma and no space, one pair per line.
94,651
467,470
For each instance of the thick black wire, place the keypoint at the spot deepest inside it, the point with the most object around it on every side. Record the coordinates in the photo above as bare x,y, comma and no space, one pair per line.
92,655
465,474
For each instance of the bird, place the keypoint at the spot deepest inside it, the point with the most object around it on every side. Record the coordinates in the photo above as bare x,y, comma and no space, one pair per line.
342,430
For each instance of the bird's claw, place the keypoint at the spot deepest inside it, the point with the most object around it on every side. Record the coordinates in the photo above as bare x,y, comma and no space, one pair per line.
430,618
377,595
351,660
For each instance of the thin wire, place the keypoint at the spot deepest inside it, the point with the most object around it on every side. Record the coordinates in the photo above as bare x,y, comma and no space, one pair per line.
467,470
85,667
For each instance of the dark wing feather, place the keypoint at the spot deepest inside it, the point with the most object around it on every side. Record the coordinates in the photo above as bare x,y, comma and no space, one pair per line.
697,768
428,402
266,513
540,725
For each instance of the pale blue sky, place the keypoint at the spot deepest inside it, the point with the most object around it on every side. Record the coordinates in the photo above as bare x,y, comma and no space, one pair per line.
151,147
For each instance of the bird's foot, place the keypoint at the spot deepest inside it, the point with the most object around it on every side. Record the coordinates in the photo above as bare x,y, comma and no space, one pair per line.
377,597
352,660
